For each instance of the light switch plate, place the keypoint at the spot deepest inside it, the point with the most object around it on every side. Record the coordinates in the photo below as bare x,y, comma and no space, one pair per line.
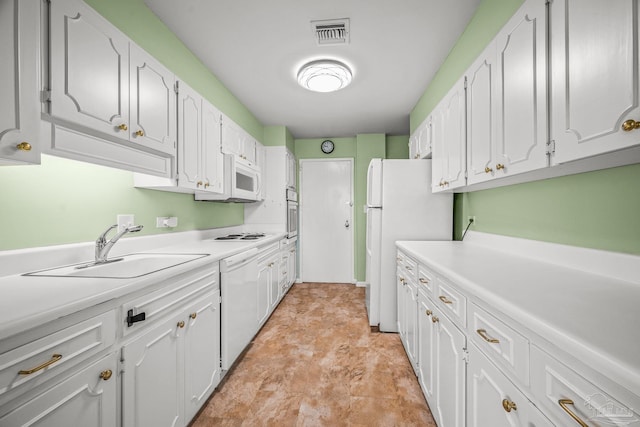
125,221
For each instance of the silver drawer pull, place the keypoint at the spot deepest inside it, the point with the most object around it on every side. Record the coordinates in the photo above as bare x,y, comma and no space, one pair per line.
423,280
487,338
563,404
51,361
445,300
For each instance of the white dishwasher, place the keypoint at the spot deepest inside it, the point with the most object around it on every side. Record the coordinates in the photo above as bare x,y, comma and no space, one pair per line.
238,287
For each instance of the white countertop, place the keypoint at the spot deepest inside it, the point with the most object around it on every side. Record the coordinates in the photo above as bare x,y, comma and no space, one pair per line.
29,301
595,318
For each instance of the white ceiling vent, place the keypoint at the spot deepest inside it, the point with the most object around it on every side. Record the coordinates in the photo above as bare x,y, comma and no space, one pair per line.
331,32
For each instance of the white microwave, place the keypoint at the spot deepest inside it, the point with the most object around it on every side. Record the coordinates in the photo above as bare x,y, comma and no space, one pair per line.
242,182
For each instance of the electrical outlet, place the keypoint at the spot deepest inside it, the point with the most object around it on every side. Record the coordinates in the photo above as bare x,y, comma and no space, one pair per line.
125,221
472,219
166,221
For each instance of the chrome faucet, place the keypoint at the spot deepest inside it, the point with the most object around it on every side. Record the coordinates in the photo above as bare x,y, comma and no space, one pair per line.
103,247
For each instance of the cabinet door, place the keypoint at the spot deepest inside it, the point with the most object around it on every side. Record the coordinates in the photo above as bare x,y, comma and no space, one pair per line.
249,148
400,298
202,352
153,378
212,158
413,144
481,118
291,268
411,319
87,399
492,399
439,156
20,108
274,293
522,77
426,346
189,137
264,288
291,170
232,142
424,139
454,127
594,76
152,100
89,69
450,373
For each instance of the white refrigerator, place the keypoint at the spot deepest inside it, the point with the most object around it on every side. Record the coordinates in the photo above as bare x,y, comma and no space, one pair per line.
400,206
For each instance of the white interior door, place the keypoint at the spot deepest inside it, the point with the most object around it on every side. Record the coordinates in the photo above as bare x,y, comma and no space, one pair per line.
326,220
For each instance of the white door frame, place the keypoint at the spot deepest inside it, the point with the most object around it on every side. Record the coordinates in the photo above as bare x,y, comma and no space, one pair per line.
351,229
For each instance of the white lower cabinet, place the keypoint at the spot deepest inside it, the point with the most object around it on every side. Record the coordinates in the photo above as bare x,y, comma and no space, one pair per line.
268,282
493,400
170,370
202,353
426,345
449,393
87,398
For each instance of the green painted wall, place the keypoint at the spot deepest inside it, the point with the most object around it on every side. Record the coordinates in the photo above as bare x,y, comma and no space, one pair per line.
596,209
362,149
63,201
397,147
274,136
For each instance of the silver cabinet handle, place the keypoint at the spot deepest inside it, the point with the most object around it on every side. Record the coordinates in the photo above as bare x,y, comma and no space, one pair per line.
346,224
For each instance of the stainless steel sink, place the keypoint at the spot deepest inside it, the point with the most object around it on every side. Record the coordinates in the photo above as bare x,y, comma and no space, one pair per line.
127,267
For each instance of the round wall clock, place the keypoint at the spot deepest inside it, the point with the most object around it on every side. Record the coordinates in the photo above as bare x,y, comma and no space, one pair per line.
327,146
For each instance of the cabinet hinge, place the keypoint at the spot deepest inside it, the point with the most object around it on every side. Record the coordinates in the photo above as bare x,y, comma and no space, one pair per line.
548,2
45,96
465,82
465,355
175,87
551,147
220,301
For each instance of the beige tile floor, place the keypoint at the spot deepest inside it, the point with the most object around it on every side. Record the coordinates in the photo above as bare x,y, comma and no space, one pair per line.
316,363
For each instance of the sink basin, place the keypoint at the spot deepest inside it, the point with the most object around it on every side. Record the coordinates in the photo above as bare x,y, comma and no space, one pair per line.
127,267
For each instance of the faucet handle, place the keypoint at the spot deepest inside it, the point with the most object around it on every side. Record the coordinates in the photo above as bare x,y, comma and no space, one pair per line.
103,236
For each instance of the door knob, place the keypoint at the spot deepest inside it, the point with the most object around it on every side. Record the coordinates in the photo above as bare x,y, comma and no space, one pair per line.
346,224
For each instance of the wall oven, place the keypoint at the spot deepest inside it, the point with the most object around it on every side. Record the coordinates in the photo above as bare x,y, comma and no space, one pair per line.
292,213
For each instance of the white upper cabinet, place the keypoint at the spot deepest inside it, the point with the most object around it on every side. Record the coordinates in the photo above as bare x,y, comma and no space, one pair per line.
481,116
449,140
238,142
420,141
110,102
89,70
200,162
291,169
152,98
506,99
212,159
19,81
594,77
522,101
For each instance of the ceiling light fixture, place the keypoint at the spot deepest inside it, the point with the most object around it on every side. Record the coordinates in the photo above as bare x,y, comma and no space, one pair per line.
325,75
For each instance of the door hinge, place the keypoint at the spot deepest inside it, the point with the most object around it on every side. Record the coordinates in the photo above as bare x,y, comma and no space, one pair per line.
551,147
45,96
465,355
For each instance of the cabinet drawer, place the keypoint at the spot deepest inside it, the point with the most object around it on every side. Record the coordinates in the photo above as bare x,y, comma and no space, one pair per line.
426,279
408,266
452,302
41,359
87,398
565,396
162,301
501,343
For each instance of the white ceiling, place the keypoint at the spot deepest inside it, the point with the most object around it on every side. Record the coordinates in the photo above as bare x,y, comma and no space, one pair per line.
256,48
